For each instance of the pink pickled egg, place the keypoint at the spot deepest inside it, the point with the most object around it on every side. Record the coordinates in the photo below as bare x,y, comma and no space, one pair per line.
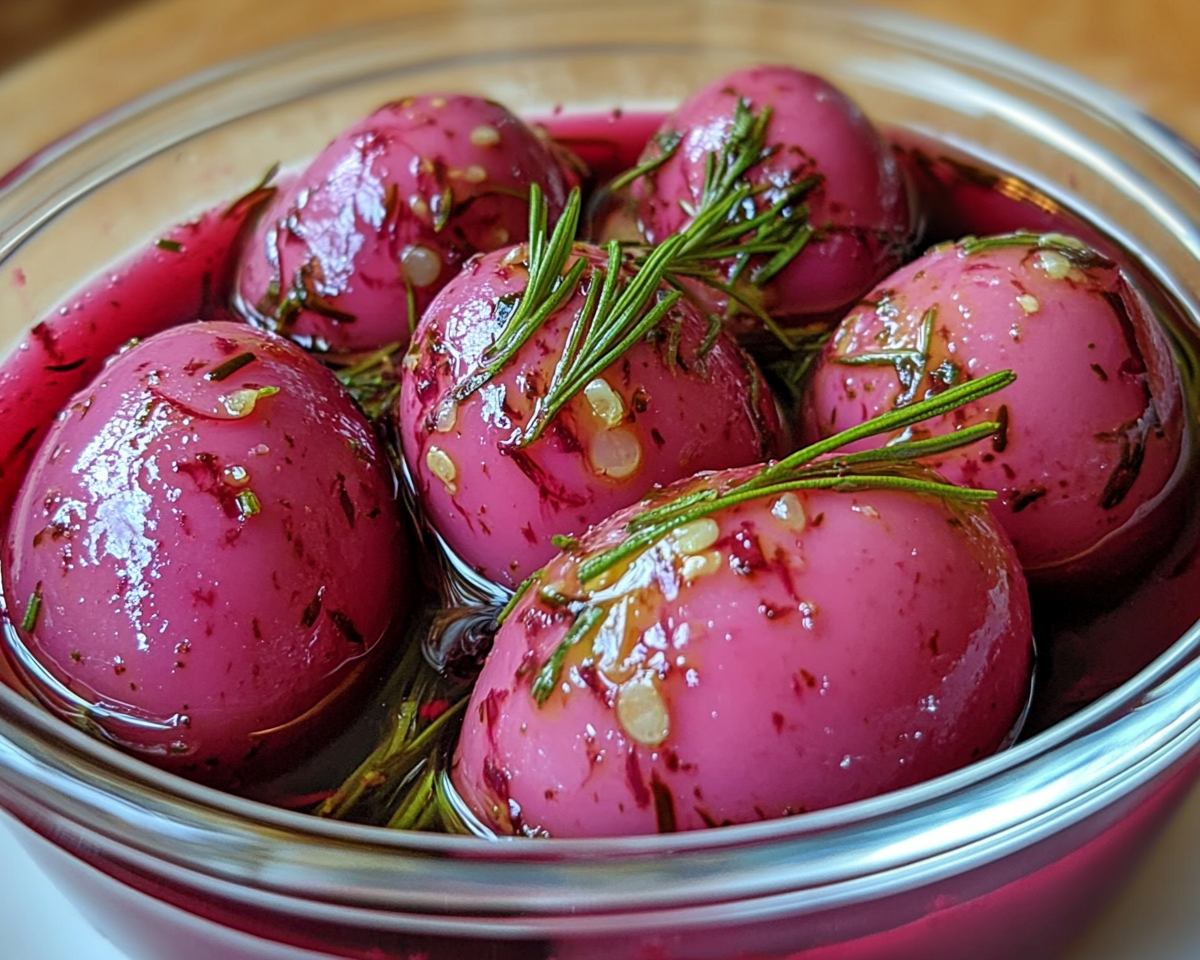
1089,457
678,400
206,559
858,205
347,255
783,654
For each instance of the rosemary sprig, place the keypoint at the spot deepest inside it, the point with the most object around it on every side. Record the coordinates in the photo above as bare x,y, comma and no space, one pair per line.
394,784
32,609
629,296
780,232
620,306
1076,252
547,289
727,225
617,312
230,367
743,148
805,469
521,590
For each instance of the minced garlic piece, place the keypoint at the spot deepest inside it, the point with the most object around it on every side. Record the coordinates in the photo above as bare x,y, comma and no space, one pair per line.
641,711
417,204
790,510
699,564
446,417
615,453
1055,264
696,535
441,466
421,265
605,402
235,475
485,135
1028,302
241,403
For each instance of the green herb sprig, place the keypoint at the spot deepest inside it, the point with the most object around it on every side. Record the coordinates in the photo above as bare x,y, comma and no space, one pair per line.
1077,252
811,468
546,290
631,295
231,366
617,312
727,225
780,231
547,677
282,307
371,378
667,144
620,306
399,784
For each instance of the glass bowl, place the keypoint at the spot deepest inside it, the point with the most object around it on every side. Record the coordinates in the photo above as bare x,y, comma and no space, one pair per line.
1009,857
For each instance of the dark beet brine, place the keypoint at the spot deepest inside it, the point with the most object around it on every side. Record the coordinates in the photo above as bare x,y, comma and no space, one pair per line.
206,562
184,275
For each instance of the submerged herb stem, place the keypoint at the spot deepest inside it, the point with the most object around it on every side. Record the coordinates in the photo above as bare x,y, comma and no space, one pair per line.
371,378
392,785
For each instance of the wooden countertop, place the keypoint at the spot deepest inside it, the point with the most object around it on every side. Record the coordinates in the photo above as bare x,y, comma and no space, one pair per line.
1145,50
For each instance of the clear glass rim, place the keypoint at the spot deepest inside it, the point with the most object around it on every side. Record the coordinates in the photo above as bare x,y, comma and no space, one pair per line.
1156,714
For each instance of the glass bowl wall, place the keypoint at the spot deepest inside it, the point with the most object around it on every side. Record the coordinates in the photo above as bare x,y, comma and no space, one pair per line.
1009,857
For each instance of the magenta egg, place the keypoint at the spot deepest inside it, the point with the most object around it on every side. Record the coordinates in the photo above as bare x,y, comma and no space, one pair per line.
779,655
681,398
349,253
206,559
856,201
1089,460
